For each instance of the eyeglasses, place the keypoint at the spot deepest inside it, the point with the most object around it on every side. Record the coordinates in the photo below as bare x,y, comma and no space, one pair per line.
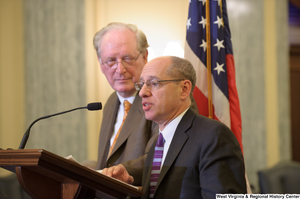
126,62
153,84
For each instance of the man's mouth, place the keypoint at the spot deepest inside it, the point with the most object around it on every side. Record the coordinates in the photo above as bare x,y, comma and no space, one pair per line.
121,79
146,106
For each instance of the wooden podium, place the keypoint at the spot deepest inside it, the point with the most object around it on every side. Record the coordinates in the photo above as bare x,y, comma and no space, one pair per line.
44,175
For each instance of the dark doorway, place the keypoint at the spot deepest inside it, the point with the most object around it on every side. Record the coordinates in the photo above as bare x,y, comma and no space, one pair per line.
294,28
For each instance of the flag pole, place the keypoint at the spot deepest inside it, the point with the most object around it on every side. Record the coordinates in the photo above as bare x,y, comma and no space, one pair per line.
208,61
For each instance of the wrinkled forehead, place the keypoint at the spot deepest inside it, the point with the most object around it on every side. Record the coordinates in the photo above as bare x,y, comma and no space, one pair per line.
119,39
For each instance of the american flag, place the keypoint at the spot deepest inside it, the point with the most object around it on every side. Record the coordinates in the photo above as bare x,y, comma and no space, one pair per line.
221,93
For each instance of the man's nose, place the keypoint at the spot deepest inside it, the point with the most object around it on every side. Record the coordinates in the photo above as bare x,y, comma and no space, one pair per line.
120,67
144,91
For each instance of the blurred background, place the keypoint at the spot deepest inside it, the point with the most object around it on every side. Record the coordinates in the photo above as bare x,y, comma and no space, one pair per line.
48,65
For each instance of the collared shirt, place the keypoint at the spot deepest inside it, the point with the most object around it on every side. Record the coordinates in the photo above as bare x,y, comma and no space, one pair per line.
120,115
169,132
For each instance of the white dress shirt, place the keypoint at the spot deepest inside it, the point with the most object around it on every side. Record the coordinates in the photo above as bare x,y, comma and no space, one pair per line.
120,115
169,132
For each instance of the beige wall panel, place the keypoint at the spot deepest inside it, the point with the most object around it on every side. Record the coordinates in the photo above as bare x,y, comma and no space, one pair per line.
11,75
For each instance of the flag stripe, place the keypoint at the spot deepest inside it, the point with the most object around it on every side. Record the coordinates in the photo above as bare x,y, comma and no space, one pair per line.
235,112
224,93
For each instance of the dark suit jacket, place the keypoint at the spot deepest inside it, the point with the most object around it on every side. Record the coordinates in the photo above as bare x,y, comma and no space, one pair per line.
135,139
204,158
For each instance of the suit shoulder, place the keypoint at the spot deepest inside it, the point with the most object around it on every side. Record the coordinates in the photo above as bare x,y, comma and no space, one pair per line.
112,96
209,122
211,128
111,101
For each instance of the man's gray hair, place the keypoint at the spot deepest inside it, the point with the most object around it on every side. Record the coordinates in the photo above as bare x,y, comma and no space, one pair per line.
182,69
141,38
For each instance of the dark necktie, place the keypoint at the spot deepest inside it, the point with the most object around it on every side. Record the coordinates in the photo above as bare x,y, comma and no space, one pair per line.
158,154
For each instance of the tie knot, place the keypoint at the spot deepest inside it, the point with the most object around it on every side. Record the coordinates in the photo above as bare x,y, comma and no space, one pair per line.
160,141
126,106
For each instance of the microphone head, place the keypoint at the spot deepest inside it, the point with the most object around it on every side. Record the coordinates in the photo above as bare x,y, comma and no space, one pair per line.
94,106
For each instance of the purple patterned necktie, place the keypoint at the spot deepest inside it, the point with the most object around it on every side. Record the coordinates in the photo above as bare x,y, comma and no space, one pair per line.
158,154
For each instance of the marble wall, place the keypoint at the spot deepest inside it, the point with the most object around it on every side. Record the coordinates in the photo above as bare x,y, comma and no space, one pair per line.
283,79
55,75
250,45
247,29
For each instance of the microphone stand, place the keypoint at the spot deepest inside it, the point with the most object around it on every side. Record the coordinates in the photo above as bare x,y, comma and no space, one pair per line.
90,106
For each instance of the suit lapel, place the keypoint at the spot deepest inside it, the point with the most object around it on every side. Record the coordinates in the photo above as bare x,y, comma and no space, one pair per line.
111,117
107,127
147,170
179,139
134,114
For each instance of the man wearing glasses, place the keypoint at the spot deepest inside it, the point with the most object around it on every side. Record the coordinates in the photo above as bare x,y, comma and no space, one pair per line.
194,156
125,133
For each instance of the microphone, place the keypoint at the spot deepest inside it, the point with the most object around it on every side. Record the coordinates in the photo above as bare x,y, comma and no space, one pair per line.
91,107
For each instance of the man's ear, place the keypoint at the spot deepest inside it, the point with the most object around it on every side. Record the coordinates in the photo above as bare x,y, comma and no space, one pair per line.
99,60
145,56
186,87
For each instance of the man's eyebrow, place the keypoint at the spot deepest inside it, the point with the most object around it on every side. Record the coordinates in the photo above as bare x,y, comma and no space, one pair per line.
116,57
153,77
111,57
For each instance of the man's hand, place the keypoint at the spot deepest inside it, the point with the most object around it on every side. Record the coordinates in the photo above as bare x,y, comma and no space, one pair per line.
119,172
